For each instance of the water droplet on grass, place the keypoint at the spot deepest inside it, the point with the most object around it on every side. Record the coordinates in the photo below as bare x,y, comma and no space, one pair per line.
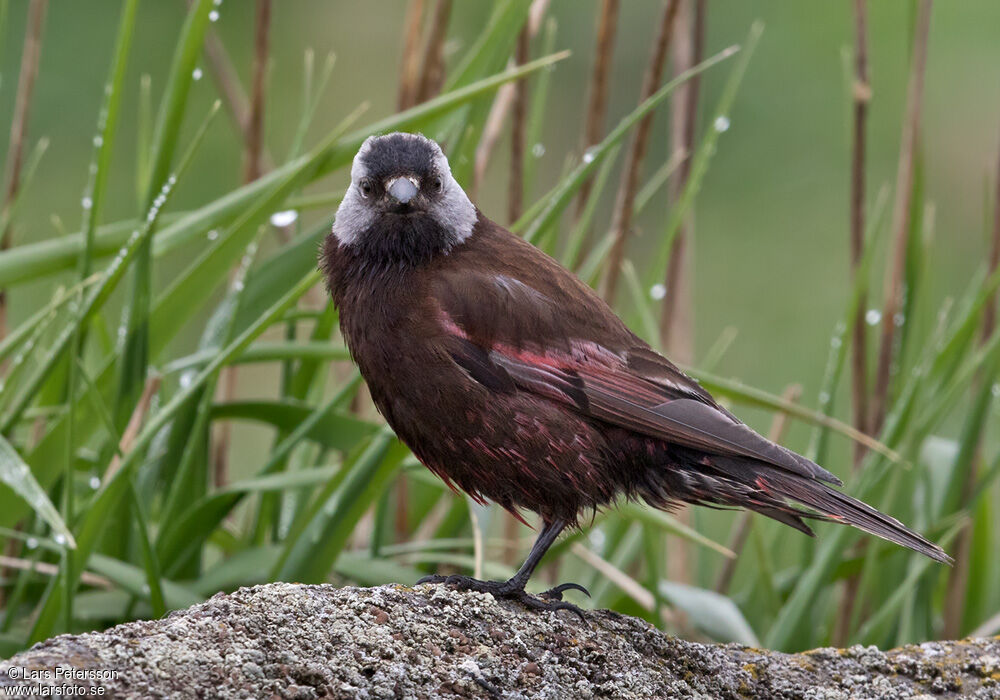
873,316
721,124
538,150
658,291
213,16
196,74
281,219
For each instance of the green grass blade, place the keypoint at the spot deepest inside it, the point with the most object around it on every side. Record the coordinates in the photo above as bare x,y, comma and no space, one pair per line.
668,523
578,237
150,563
107,129
701,160
563,194
311,556
18,478
25,263
100,293
107,498
133,580
333,430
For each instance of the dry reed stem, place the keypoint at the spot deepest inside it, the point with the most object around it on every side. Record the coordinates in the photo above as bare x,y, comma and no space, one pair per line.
492,130
677,312
518,128
30,55
429,84
255,128
409,61
990,312
432,72
497,118
41,567
893,291
738,540
597,100
861,96
954,606
224,75
253,168
629,185
134,425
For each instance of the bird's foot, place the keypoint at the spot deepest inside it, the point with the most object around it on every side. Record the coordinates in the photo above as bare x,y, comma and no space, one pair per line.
507,590
556,592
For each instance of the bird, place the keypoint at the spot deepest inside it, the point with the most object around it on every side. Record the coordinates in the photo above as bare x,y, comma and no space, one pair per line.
514,382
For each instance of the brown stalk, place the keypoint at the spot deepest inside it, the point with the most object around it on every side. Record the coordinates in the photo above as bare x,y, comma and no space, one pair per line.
677,314
253,166
30,54
224,75
10,551
990,311
409,62
893,292
629,185
134,425
518,129
492,130
46,569
255,127
738,540
432,72
497,118
597,101
861,94
429,84
954,606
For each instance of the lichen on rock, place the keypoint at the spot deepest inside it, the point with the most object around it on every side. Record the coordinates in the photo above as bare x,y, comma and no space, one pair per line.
297,641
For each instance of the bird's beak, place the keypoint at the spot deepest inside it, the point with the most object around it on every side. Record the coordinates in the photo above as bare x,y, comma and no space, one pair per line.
402,189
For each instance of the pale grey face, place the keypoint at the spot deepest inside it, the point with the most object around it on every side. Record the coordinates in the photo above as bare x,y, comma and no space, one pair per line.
400,179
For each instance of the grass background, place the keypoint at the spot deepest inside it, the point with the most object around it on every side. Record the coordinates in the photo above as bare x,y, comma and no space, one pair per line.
770,245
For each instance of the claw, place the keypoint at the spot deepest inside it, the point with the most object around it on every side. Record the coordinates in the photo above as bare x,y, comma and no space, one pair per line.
556,592
505,590
534,603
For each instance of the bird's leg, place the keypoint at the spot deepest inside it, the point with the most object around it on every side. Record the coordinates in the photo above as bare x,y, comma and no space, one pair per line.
513,588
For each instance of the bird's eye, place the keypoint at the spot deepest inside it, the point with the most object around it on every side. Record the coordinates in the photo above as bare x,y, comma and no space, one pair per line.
365,186
438,184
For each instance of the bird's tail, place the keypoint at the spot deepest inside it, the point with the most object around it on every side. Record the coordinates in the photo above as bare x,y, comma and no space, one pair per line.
774,492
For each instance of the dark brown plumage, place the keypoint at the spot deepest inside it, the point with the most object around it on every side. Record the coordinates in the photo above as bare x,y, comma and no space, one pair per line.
514,382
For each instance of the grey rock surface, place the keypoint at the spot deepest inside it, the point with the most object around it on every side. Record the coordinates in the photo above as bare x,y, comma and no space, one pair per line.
295,641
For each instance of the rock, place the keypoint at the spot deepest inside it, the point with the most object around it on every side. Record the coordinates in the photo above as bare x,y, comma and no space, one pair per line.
294,641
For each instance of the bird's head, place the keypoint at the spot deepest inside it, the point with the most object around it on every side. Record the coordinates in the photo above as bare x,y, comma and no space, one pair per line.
403,205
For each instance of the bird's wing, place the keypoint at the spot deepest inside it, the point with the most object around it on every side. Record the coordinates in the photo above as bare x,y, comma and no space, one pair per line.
511,336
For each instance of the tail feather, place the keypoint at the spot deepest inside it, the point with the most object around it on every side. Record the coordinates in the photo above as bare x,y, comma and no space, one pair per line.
839,507
772,491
